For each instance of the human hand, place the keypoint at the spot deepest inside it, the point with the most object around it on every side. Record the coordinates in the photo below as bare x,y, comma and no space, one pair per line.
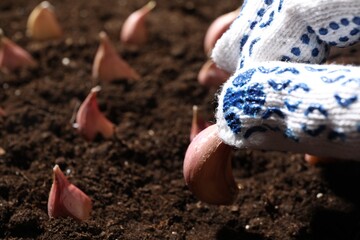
279,97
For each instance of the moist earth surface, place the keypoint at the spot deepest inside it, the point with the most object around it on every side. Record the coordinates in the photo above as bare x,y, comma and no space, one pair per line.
135,178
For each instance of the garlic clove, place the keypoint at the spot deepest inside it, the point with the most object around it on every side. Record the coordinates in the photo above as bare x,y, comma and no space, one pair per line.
212,76
108,65
90,121
2,151
314,160
207,168
134,30
43,24
66,200
12,56
197,124
217,28
2,112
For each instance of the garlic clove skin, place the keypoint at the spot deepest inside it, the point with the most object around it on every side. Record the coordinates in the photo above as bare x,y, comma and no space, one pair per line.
12,56
314,160
217,28
197,124
42,23
2,112
134,30
90,121
107,65
66,200
212,76
207,169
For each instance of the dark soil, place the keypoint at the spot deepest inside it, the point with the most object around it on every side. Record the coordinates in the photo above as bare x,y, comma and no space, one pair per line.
135,179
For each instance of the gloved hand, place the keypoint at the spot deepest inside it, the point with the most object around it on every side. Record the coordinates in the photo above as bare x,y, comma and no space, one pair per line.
278,97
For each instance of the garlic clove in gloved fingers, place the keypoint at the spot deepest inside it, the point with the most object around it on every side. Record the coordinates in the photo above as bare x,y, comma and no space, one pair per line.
314,160
212,76
207,168
197,124
217,28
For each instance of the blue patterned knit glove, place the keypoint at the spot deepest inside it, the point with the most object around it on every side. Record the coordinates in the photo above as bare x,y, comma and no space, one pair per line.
279,97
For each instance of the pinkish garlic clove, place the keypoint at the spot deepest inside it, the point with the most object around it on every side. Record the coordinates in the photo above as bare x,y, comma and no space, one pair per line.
134,30
66,200
314,160
2,151
43,24
2,112
12,56
90,121
217,28
212,76
207,168
197,124
108,65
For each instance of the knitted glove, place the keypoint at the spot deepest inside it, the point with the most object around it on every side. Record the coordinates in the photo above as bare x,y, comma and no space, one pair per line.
278,97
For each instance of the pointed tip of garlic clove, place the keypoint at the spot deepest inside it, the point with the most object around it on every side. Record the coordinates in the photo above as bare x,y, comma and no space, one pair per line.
151,5
103,36
207,169
134,30
106,46
66,200
90,121
46,4
12,56
197,124
217,28
96,89
212,76
42,23
108,65
148,7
